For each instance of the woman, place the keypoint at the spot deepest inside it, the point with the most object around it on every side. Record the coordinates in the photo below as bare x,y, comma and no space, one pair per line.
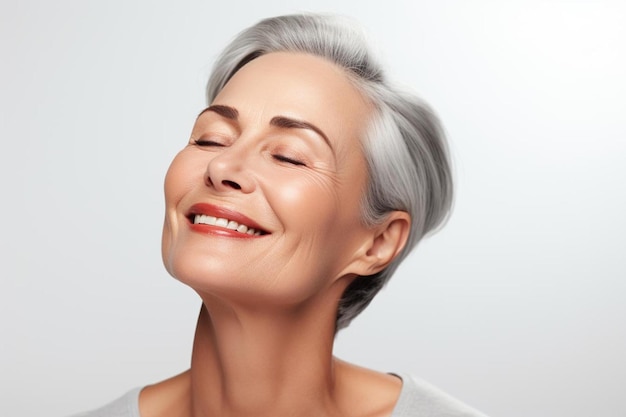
304,184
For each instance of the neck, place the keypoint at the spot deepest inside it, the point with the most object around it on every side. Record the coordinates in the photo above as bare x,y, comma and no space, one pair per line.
262,363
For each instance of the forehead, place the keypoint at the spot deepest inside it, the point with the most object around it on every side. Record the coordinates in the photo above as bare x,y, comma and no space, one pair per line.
299,85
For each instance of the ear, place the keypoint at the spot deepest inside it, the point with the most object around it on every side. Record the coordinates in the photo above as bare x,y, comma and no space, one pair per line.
384,243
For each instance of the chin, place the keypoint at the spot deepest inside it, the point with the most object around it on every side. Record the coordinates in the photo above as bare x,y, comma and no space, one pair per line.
244,285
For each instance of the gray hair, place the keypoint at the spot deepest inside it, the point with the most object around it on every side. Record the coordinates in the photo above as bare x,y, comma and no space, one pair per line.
404,146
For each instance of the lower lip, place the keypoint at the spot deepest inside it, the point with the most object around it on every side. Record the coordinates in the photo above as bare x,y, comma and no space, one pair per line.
220,231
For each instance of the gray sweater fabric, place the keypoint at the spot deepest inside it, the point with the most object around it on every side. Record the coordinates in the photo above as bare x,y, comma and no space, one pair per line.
417,399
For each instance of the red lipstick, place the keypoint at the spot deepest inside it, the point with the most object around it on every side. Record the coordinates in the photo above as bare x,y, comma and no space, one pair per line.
211,219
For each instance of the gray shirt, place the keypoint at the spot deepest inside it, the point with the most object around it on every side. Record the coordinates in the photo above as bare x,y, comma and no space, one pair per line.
417,399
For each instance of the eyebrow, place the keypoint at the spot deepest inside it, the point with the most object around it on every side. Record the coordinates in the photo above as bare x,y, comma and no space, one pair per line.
289,123
231,113
224,111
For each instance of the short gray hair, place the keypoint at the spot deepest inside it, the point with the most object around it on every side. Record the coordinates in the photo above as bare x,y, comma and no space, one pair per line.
405,148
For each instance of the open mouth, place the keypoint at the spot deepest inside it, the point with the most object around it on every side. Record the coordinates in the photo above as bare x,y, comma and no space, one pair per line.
210,218
226,224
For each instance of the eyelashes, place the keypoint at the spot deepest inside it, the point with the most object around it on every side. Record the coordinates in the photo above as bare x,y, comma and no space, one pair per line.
288,160
205,142
276,156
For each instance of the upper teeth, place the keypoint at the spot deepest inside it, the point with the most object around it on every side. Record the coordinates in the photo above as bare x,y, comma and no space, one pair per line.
228,224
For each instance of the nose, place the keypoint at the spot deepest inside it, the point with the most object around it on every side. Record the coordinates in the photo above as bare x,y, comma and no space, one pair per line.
228,171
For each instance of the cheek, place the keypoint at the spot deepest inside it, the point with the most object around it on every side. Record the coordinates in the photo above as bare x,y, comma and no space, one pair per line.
306,202
321,217
179,180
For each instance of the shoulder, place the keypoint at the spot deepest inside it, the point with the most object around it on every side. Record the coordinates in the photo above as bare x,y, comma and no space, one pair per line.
165,398
419,398
125,406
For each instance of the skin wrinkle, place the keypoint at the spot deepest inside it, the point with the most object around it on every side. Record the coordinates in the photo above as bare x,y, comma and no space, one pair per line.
231,113
271,302
335,182
263,343
280,122
308,245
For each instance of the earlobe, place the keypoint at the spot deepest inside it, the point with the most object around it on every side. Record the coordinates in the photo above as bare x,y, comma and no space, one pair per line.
385,243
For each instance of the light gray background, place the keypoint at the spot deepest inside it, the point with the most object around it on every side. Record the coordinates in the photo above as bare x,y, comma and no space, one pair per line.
516,307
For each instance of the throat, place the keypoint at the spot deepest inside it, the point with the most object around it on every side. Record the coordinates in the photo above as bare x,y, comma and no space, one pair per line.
251,364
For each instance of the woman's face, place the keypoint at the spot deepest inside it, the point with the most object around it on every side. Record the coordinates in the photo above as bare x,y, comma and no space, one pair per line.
277,152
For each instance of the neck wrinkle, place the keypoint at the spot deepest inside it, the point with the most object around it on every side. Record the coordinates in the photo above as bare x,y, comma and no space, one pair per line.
259,363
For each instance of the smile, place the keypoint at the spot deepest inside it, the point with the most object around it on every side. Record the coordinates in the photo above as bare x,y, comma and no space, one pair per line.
225,223
216,220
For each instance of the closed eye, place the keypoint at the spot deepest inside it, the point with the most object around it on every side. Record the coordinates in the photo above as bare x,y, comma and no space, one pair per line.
282,158
204,142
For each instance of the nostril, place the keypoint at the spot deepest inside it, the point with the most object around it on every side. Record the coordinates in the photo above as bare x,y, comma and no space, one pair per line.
232,184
